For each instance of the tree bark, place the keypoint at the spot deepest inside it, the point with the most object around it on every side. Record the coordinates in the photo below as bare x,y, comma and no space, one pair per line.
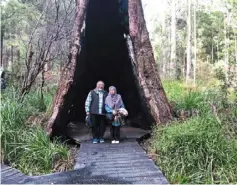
150,84
27,82
68,72
188,67
236,57
2,37
163,14
10,62
145,71
195,43
172,67
226,46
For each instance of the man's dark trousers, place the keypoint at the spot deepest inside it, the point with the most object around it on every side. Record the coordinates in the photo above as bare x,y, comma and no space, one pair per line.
98,126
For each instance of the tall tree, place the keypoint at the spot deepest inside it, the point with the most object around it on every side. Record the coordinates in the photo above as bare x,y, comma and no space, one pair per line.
189,40
2,36
226,43
195,41
172,66
236,56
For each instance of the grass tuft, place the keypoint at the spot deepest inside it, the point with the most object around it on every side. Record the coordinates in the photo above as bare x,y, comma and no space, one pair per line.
196,151
202,148
25,146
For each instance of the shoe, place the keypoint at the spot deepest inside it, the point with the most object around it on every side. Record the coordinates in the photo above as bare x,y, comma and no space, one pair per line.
116,141
102,140
113,141
95,141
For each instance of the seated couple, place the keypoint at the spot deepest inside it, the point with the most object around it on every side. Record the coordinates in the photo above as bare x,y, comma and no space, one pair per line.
100,105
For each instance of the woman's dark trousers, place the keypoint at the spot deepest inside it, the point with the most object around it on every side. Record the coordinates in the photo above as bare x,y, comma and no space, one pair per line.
98,126
115,132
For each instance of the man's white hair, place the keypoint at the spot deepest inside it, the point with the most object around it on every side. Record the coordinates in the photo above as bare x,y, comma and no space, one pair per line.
100,82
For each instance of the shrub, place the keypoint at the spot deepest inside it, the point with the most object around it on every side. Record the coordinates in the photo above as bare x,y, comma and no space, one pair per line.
174,89
191,100
24,146
38,153
196,151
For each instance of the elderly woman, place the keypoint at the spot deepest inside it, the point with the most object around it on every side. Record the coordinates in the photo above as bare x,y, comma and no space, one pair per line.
114,107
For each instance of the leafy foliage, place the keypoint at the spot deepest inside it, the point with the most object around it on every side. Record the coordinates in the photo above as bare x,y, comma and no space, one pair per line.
196,151
199,149
25,146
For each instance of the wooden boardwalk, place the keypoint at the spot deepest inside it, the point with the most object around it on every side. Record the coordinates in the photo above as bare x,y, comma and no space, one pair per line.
124,163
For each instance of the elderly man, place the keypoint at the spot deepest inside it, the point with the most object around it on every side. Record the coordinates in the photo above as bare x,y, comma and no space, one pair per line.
95,108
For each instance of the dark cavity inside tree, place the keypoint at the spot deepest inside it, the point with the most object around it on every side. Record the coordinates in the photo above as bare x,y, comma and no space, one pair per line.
104,56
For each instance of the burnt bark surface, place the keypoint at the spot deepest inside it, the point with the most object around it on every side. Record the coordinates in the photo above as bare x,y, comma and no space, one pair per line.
128,63
147,73
104,56
62,101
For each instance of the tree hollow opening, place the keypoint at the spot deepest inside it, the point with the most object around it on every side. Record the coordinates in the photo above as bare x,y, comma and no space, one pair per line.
104,56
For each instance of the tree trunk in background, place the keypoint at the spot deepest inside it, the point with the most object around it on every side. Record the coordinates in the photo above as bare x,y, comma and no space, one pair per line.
63,92
164,51
217,46
163,14
2,39
212,48
184,64
236,57
151,88
195,42
2,32
172,66
226,46
18,54
10,62
188,64
2,43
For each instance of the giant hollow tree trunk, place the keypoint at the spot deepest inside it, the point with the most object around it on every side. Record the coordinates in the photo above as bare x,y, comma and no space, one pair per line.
103,53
